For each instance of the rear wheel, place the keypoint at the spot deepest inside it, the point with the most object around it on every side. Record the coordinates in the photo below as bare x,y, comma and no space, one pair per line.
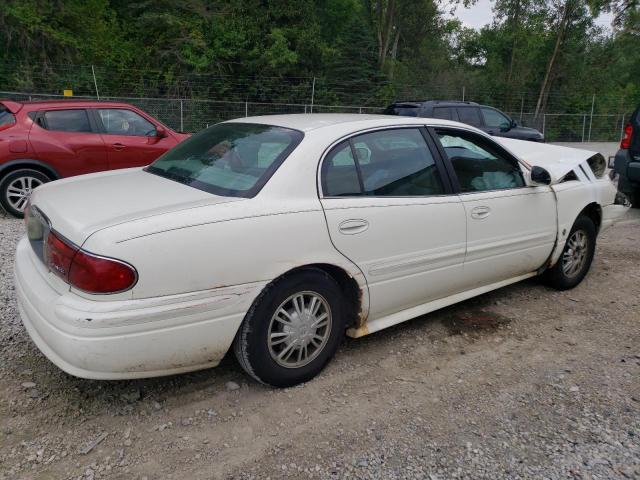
576,258
16,188
292,330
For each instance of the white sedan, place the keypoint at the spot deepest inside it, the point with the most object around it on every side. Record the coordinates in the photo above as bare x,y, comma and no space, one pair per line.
275,235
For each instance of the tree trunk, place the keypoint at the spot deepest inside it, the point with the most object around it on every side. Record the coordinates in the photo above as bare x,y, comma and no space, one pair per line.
394,53
545,88
514,32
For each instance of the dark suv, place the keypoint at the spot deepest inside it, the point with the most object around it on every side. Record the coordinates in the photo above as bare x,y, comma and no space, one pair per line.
627,160
486,118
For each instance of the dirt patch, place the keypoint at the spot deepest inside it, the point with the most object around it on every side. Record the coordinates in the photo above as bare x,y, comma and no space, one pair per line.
475,323
548,387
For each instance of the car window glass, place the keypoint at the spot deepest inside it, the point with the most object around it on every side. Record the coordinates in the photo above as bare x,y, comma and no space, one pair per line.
118,121
470,116
340,175
6,117
403,110
493,118
75,120
478,166
443,112
399,164
230,159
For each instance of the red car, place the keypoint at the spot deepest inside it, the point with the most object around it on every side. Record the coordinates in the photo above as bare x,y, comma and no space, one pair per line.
43,141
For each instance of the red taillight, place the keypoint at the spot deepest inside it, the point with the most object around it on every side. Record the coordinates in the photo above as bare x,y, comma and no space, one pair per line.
100,275
625,143
58,255
85,271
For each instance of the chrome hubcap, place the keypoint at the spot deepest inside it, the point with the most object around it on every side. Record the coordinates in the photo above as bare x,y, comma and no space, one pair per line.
299,329
19,191
575,253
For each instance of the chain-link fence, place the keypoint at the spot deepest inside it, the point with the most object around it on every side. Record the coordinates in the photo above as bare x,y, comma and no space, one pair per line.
190,115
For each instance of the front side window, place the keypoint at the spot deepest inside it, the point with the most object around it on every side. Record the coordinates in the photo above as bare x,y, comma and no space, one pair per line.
479,165
231,159
119,121
446,113
470,116
495,119
395,163
75,120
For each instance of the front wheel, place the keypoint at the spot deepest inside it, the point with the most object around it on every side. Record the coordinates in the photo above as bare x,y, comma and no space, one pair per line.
576,258
292,330
16,188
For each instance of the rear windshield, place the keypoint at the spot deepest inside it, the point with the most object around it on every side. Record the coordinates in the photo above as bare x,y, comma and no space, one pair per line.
403,110
6,117
230,159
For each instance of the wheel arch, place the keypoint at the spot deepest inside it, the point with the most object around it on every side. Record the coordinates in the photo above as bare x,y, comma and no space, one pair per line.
38,165
355,293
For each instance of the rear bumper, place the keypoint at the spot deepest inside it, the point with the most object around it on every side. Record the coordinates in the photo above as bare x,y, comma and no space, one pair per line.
126,339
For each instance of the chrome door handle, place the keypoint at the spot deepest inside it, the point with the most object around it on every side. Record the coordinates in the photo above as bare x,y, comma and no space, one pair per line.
480,212
353,226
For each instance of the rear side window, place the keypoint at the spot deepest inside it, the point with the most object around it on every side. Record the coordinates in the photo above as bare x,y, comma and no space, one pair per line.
75,120
6,118
470,116
446,113
403,110
340,174
393,163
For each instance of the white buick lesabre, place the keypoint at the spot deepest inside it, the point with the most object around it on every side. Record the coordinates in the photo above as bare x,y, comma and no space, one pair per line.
277,234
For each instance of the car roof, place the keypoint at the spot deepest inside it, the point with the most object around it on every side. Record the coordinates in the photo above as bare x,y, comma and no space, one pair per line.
439,103
312,121
37,104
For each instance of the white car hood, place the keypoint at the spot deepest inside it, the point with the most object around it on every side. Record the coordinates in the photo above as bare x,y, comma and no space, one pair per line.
557,160
80,206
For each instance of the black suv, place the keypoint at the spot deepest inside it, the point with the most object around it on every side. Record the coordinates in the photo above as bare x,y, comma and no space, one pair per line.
627,160
486,118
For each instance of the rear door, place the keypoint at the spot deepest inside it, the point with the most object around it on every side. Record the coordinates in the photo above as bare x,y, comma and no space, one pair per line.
511,227
68,140
390,210
130,138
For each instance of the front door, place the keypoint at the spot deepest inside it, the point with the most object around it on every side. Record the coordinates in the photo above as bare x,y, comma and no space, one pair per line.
390,210
511,227
131,139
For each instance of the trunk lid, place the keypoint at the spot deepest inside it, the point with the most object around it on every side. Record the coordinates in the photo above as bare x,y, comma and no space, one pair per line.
80,206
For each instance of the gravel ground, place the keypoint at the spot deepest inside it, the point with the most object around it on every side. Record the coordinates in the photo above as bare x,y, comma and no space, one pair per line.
524,382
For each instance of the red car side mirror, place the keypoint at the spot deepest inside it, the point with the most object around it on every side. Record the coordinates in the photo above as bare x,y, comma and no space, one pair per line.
161,132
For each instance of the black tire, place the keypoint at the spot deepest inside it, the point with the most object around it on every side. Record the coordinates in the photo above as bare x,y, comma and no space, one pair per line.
557,277
7,199
251,345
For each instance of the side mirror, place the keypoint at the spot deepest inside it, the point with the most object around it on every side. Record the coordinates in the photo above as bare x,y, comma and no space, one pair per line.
540,176
514,124
505,126
160,132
